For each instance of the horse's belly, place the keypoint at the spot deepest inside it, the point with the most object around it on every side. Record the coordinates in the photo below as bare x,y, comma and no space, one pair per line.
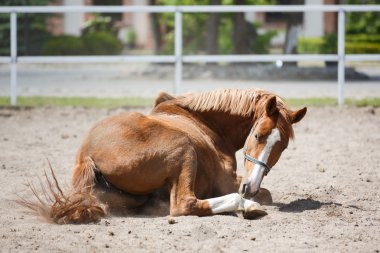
135,184
134,177
132,169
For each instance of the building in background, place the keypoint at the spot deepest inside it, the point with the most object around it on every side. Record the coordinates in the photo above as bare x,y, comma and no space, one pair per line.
313,24
126,23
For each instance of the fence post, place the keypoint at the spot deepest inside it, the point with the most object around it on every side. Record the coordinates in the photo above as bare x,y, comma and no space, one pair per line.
341,56
13,58
178,51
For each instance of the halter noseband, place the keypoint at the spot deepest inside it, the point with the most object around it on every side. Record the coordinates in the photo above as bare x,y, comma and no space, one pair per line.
252,159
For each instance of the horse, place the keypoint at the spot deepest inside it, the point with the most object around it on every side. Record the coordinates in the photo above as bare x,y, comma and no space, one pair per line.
185,148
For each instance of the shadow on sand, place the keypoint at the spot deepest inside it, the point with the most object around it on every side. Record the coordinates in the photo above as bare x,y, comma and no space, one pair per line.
300,205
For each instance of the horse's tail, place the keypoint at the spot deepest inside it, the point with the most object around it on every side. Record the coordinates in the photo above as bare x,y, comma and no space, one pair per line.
79,205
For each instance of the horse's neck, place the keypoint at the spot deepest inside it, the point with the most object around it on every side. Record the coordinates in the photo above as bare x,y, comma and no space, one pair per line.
229,131
232,130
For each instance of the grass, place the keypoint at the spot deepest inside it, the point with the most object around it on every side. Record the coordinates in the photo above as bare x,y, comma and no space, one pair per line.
148,102
375,102
297,102
81,101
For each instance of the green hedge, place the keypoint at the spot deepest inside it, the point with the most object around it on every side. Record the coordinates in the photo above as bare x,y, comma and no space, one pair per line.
355,44
310,45
64,45
97,43
102,43
363,37
362,48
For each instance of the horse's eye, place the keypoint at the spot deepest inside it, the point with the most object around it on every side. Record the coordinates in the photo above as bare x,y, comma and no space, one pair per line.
257,137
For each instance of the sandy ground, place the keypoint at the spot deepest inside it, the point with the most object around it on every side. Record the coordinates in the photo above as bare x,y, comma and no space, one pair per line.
325,190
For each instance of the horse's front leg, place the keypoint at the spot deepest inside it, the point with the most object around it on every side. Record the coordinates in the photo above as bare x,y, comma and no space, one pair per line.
184,202
234,202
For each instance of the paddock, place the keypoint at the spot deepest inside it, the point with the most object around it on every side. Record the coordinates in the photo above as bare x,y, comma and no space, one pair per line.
325,190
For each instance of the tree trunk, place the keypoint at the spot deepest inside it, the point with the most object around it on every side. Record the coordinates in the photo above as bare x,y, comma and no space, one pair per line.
155,29
290,46
26,28
26,33
240,32
213,30
293,21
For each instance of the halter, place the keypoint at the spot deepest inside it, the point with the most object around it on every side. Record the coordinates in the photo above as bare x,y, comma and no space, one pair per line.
252,159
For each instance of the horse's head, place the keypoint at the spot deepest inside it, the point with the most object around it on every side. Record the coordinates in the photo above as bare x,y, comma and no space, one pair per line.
268,138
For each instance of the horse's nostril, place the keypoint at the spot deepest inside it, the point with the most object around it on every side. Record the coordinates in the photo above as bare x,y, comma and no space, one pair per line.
244,188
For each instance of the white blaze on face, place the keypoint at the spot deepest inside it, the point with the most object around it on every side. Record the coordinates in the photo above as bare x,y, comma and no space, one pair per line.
258,171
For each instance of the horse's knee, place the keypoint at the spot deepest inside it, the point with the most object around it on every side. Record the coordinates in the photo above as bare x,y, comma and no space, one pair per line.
190,206
183,207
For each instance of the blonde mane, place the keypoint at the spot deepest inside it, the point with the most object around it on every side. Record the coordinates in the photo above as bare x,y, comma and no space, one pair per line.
245,103
235,101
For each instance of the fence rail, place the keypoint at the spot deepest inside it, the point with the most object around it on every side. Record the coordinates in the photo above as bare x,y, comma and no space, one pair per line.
190,9
178,58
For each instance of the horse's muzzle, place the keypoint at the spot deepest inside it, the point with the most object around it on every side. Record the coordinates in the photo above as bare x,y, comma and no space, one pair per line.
246,191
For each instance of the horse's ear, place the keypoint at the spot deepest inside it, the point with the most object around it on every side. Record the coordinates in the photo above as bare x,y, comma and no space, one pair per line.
271,106
296,116
162,97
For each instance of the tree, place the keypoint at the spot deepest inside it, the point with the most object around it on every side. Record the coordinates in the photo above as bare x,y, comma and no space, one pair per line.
155,24
213,33
244,33
293,21
213,30
363,22
31,29
241,35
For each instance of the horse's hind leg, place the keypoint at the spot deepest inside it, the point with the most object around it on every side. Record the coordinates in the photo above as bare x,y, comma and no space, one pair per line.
182,197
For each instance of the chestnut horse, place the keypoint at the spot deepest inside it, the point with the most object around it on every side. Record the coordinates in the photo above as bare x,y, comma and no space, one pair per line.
186,146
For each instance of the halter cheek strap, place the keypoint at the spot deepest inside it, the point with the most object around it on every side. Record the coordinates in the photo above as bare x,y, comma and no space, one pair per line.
252,159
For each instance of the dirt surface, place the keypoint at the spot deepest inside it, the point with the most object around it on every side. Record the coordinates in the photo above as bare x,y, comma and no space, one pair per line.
325,190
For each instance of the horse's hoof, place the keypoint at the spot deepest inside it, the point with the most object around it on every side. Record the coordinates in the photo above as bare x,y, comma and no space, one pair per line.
254,212
263,197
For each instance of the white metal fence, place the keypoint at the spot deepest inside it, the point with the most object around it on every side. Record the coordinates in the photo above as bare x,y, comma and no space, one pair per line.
178,58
